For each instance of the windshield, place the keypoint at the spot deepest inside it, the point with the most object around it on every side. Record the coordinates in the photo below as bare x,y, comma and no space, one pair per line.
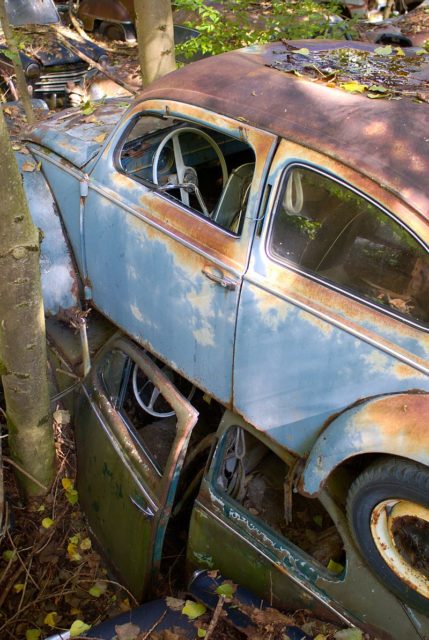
22,12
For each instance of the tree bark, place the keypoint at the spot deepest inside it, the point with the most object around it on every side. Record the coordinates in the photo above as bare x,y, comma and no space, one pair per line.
155,36
23,362
17,65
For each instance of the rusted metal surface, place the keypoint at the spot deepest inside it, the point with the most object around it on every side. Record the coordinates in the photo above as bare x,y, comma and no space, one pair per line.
348,127
77,137
114,10
394,425
400,530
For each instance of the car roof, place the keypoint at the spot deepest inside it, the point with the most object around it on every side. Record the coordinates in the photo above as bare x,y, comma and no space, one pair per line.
386,139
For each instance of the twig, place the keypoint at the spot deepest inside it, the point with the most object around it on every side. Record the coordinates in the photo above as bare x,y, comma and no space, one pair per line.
18,555
25,473
154,626
215,617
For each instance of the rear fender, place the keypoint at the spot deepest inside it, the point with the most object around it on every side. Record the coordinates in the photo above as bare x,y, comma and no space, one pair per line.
60,282
396,425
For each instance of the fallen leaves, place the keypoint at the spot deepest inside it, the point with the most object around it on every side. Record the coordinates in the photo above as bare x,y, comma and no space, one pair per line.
193,610
78,628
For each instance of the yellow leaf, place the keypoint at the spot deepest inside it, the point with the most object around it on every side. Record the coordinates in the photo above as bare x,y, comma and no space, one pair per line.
47,522
201,633
335,567
18,587
100,138
73,554
51,619
399,51
353,87
78,627
32,634
67,482
72,496
320,636
9,555
304,51
124,605
41,508
85,544
193,609
420,52
29,166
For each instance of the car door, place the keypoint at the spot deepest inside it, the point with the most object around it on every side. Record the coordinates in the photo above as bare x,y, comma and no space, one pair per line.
160,267
334,305
132,431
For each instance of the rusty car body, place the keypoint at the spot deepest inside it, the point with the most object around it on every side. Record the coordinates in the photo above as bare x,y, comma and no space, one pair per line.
260,240
49,65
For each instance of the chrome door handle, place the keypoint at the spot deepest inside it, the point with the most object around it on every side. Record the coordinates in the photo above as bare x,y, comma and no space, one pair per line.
217,275
146,511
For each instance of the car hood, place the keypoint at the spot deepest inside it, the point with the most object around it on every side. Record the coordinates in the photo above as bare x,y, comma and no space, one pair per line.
47,48
77,135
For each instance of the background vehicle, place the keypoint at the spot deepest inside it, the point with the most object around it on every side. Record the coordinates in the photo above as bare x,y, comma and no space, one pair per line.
277,260
48,64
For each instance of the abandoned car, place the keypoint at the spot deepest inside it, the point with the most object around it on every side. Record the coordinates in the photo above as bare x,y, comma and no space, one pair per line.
49,65
256,228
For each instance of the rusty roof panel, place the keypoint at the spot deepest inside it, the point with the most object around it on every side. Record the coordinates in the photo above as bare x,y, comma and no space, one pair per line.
386,139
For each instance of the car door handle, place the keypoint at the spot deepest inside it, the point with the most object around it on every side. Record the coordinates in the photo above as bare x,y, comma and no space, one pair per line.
147,511
217,275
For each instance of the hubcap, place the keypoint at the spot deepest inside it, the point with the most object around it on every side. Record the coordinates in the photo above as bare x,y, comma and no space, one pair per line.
400,530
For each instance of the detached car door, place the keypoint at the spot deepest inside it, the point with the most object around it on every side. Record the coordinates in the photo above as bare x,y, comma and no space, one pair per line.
132,432
168,224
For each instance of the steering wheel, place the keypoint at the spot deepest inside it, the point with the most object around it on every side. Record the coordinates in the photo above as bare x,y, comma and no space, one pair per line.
186,178
149,396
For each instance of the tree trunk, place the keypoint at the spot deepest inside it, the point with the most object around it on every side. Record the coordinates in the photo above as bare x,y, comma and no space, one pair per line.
154,23
23,363
17,65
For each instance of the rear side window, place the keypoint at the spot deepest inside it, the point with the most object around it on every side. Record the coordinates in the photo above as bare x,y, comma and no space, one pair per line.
327,229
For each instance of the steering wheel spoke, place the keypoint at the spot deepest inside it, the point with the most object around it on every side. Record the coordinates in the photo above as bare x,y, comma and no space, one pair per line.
187,177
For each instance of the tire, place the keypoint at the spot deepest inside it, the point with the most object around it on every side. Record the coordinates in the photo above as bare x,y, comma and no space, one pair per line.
388,513
113,31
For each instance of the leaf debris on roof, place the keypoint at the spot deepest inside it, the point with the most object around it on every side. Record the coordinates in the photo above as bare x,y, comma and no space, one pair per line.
385,72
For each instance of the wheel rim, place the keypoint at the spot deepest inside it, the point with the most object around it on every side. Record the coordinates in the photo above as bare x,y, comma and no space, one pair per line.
400,530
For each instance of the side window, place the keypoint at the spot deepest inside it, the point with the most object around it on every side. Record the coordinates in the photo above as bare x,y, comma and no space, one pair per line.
255,478
327,229
204,169
147,415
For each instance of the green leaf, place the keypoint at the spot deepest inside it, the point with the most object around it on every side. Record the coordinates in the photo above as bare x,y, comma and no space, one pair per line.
98,589
377,88
420,52
384,51
78,627
318,520
193,609
201,633
226,589
32,634
9,555
72,496
353,87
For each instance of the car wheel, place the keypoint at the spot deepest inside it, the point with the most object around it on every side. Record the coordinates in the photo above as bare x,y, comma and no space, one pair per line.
112,31
388,512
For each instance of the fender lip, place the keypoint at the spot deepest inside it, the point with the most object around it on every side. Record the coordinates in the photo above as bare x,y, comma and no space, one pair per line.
393,424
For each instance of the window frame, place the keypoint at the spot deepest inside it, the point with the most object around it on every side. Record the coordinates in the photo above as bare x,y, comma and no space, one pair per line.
116,403
284,262
183,121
